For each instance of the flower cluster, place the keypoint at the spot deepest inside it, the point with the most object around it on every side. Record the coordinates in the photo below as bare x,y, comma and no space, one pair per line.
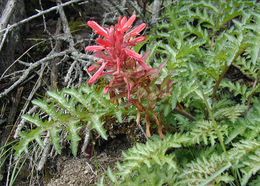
126,67
127,70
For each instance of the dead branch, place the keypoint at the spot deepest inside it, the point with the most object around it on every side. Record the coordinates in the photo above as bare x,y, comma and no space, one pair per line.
7,12
4,19
156,10
45,151
40,13
33,66
18,59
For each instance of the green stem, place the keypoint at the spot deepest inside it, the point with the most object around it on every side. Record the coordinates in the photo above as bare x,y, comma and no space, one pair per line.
225,71
220,138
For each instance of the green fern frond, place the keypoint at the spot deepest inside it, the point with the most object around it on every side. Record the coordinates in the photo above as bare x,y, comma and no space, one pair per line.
206,132
256,181
242,149
34,134
249,127
222,103
232,113
237,88
73,137
71,108
202,169
250,166
150,156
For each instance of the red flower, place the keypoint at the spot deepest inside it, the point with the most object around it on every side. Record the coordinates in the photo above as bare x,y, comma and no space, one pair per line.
97,74
128,72
115,47
126,67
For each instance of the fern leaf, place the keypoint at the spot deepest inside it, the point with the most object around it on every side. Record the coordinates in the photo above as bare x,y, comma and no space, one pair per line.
200,170
27,138
69,108
232,113
207,132
35,120
73,136
252,166
77,94
239,129
256,181
59,97
55,138
98,125
255,48
48,108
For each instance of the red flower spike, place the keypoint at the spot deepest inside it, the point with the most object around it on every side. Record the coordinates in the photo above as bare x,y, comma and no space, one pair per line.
129,23
94,48
98,29
119,21
118,64
101,41
133,54
91,69
136,41
127,70
123,21
136,31
97,74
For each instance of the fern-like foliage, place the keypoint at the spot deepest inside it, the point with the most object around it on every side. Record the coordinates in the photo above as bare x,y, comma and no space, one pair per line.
145,162
206,131
69,108
200,171
203,42
209,35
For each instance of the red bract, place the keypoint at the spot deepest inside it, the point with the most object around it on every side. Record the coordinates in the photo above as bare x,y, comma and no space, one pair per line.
115,49
127,71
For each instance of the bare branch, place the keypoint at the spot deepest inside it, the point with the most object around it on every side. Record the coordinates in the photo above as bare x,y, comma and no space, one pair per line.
7,12
156,10
38,14
33,66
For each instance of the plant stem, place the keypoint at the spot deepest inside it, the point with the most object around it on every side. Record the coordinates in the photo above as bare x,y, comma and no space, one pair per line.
185,114
251,95
220,137
225,71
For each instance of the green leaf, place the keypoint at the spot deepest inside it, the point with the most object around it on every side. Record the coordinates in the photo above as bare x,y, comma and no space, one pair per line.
73,137
35,120
49,109
27,138
98,125
55,138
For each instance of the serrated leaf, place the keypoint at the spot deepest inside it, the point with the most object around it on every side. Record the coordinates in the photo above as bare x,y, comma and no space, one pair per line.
48,108
111,175
118,114
167,109
98,125
35,120
59,97
73,137
55,138
27,138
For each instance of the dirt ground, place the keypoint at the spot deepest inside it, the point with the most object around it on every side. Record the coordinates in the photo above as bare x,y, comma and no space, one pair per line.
83,171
